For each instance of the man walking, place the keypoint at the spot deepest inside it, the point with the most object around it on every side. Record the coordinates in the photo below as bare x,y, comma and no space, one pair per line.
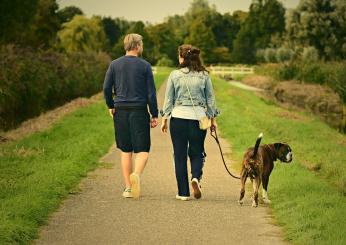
131,80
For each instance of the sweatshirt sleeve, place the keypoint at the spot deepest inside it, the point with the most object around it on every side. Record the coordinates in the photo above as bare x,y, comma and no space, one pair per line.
152,100
108,86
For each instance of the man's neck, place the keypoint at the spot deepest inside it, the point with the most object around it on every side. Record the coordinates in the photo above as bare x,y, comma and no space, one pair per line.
132,53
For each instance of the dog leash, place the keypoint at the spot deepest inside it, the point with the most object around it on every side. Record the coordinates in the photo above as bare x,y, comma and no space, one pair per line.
223,159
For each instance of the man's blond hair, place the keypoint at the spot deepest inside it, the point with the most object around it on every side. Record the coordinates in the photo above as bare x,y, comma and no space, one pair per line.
132,40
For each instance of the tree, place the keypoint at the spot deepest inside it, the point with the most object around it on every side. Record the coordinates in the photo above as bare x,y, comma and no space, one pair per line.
202,37
66,14
43,31
225,28
321,24
82,34
112,31
15,17
265,21
244,50
164,41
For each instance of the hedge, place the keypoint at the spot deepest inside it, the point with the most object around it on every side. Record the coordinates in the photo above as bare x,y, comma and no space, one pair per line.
34,81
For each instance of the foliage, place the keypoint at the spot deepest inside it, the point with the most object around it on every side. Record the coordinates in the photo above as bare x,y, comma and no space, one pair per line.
66,14
35,81
165,61
82,35
265,20
15,17
202,37
165,44
321,24
332,74
310,54
46,23
112,31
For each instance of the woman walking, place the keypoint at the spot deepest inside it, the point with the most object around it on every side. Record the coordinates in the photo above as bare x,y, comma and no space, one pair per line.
189,97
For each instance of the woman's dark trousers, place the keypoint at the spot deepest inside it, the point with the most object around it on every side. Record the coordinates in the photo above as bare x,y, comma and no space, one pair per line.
187,139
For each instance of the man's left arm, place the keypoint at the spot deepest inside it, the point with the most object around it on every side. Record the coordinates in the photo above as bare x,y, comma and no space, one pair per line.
152,100
108,85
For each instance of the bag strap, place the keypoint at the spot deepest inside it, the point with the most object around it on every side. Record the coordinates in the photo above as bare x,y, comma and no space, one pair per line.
194,109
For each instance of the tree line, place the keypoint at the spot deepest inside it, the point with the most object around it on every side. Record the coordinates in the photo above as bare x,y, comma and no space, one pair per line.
267,32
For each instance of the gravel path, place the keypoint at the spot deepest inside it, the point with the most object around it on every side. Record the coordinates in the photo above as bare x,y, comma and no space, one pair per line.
99,215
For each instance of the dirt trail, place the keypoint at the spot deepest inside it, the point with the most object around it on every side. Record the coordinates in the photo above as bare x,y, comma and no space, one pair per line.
99,215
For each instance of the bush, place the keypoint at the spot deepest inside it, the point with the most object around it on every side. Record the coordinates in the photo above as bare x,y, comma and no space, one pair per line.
284,54
332,74
165,61
32,82
310,54
270,55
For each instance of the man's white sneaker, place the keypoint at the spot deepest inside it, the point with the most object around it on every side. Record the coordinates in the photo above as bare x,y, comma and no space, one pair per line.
182,198
197,193
127,193
135,185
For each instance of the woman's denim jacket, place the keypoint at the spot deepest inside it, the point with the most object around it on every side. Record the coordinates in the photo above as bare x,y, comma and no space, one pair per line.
200,87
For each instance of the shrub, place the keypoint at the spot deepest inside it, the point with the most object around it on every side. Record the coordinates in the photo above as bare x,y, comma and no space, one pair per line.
270,55
310,54
165,61
32,82
284,54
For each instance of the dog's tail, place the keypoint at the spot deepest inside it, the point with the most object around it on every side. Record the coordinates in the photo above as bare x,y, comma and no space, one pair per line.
258,141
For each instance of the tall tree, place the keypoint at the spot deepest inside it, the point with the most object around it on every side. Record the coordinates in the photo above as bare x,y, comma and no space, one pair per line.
66,14
45,26
265,21
15,17
164,41
321,24
112,31
202,37
82,34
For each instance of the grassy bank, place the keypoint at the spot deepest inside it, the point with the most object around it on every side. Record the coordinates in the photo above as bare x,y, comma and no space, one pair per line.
37,172
309,194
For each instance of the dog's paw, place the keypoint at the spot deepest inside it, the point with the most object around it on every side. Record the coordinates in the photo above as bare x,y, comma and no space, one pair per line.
254,204
240,202
267,201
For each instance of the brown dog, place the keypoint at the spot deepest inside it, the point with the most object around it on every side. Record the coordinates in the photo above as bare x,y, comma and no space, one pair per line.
258,163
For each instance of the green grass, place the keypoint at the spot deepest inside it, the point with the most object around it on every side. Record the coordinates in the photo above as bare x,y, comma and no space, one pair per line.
162,75
310,205
37,172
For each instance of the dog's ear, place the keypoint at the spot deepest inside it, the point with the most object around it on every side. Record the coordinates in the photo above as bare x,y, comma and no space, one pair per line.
277,146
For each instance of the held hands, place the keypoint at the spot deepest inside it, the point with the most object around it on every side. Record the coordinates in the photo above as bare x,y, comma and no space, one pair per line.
154,122
164,125
111,112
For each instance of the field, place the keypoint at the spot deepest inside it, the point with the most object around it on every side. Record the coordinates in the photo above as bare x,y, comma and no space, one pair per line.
308,195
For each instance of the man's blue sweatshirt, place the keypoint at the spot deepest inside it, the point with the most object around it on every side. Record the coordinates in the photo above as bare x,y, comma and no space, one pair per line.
131,79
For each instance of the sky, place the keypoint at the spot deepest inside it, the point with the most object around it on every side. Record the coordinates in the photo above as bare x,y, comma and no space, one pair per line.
154,11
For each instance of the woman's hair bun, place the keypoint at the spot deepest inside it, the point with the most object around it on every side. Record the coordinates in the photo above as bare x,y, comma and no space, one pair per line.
195,50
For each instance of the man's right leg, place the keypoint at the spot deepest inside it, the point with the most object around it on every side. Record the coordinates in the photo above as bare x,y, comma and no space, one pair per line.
123,142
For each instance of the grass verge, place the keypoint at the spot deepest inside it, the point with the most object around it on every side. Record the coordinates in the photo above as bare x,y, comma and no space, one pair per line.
40,170
308,195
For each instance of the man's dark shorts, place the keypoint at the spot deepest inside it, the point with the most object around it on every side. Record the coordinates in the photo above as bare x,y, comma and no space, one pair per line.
132,129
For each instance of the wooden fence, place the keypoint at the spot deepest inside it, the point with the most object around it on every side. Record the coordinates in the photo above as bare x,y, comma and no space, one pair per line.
230,70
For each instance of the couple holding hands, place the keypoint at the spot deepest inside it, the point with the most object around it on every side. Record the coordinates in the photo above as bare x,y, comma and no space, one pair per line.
189,97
